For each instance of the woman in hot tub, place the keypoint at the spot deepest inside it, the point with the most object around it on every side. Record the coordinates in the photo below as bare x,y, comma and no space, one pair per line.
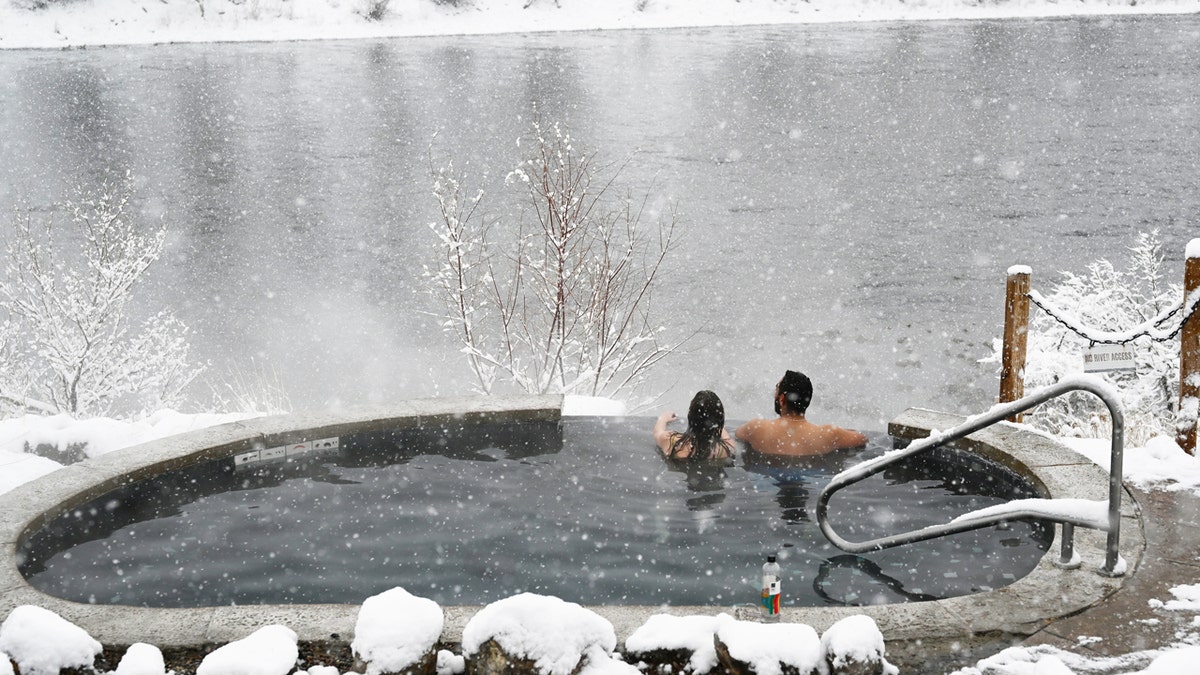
705,437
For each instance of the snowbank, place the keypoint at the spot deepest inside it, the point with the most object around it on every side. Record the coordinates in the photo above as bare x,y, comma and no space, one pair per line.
20,438
29,24
1159,465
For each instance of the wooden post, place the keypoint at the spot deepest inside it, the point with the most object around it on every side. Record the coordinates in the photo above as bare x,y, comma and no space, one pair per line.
1016,330
1189,354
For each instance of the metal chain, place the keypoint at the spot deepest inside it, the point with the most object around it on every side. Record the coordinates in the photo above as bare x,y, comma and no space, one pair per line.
1144,333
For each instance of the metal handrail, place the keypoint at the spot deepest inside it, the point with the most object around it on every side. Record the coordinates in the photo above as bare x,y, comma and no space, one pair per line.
1087,383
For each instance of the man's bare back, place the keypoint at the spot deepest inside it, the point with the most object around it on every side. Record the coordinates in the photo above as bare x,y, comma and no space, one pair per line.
797,437
791,434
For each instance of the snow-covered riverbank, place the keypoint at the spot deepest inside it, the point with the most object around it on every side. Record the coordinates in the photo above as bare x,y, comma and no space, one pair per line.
28,24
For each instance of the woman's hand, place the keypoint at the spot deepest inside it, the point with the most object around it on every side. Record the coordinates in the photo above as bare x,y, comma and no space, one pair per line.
662,437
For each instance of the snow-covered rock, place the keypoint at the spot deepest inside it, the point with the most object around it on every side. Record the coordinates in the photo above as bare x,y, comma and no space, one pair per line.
270,650
43,643
396,631
689,637
142,659
449,663
767,648
855,645
553,635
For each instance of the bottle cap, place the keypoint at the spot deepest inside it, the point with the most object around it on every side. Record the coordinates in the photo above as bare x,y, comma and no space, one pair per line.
771,558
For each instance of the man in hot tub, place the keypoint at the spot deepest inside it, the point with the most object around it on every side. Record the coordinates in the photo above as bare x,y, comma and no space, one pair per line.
791,434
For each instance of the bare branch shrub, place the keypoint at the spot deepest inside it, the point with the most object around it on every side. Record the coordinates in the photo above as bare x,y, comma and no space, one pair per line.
559,301
66,341
256,388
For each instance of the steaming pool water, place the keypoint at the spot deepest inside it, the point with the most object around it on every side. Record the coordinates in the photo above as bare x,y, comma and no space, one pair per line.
582,508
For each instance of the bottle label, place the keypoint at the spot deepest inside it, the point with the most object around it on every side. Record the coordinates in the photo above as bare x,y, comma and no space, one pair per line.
770,596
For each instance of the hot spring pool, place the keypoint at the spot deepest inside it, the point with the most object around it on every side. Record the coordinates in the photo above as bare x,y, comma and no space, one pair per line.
582,508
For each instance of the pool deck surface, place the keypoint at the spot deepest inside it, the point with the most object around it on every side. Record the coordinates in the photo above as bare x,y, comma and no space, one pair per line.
1125,621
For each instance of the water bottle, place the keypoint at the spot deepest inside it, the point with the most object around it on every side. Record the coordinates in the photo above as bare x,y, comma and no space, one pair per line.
770,590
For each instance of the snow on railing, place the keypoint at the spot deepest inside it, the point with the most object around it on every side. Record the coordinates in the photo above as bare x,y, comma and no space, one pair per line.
1151,328
1083,512
1105,516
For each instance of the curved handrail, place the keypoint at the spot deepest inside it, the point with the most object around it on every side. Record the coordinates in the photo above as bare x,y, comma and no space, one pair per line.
1088,383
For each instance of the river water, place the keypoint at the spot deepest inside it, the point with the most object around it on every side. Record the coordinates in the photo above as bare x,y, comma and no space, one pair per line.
852,195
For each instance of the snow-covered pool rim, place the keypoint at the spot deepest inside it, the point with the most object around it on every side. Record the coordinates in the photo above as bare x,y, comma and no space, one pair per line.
1020,608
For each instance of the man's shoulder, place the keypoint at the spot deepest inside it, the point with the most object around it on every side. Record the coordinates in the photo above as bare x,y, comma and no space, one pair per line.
844,437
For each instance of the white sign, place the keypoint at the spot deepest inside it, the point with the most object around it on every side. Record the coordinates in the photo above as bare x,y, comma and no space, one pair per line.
1106,358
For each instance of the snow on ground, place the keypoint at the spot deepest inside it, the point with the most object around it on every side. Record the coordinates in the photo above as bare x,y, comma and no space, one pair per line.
34,24
1159,465
1187,598
21,437
1050,661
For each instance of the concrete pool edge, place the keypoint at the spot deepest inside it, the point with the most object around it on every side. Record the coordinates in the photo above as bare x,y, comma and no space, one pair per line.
1019,609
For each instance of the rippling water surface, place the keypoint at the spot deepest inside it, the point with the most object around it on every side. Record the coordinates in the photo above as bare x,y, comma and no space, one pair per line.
582,512
852,194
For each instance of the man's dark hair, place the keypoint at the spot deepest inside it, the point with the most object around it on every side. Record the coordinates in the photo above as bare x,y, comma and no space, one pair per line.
798,392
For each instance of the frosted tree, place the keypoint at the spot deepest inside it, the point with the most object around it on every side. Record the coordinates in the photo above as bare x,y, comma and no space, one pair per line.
1108,302
67,342
559,300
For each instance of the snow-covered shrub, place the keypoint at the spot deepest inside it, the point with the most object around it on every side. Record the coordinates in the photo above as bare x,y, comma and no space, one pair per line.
557,299
1112,300
67,340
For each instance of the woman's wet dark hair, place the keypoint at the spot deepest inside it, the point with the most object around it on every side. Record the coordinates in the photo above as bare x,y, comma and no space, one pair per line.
706,421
